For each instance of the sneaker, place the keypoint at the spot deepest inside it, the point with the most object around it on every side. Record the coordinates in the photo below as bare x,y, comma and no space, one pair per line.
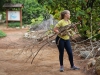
75,68
61,68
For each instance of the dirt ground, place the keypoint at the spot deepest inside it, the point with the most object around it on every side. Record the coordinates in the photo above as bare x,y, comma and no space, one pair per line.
14,54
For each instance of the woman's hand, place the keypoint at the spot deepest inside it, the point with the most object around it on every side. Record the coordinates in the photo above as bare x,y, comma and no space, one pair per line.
56,30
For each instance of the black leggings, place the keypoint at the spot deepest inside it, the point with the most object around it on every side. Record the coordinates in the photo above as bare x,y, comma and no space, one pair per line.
61,44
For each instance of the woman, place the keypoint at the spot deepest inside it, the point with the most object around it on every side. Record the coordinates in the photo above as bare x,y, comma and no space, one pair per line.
63,41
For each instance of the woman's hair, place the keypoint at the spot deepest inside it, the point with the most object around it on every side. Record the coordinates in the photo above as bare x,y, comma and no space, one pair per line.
63,14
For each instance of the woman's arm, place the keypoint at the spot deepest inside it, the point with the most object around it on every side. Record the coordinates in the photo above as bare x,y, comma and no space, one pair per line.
56,30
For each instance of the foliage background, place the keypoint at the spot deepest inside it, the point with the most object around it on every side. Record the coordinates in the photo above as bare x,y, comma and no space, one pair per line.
85,11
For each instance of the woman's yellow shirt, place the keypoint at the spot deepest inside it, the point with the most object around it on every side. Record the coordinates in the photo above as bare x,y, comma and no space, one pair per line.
63,23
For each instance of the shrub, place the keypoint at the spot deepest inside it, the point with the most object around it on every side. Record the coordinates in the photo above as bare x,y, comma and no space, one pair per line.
14,24
2,34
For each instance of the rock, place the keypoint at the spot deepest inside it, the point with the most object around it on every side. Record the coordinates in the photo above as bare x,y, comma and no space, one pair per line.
23,27
26,35
53,41
34,37
17,27
91,63
45,25
98,49
39,39
98,52
97,66
84,54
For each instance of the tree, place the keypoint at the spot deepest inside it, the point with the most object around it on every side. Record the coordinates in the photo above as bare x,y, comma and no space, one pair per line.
2,3
85,11
31,10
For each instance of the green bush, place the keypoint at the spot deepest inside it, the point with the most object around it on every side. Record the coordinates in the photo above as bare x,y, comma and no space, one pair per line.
31,10
2,34
14,24
37,21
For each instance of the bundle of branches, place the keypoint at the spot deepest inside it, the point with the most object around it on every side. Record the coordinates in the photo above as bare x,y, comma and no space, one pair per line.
66,29
62,30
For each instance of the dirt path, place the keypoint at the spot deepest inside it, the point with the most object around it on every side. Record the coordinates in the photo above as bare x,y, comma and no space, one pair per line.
46,63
